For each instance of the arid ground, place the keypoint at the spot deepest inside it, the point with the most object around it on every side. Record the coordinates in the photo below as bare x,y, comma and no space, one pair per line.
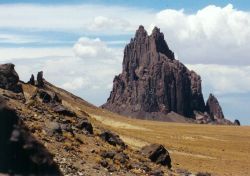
220,150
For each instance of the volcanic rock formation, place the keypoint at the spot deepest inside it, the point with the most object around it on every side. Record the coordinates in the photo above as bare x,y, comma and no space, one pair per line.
9,78
153,83
152,80
213,108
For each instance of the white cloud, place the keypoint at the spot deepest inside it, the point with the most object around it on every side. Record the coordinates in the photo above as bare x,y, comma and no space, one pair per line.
222,79
17,39
95,49
7,54
101,23
76,83
74,18
213,35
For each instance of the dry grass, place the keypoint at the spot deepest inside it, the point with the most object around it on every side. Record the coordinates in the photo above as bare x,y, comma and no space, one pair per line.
221,150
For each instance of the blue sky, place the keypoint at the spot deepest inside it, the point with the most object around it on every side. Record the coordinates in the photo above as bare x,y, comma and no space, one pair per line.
83,41
191,5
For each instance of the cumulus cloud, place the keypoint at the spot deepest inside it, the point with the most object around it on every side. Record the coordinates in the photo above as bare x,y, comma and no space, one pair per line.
95,49
213,35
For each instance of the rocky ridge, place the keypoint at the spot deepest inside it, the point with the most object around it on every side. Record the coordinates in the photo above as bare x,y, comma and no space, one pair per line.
153,84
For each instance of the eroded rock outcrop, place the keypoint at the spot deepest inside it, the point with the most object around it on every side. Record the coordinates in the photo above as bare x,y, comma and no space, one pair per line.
9,77
40,81
32,80
153,81
213,108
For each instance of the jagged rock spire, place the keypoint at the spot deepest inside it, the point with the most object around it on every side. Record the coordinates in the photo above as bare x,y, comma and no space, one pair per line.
40,82
213,108
153,82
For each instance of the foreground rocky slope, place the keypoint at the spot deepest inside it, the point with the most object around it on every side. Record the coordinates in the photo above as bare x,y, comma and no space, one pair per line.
46,133
154,84
20,152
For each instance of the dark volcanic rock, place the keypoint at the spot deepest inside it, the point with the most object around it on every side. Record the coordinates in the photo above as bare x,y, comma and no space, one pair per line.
236,122
32,80
152,81
48,96
9,77
158,154
40,81
112,138
213,108
20,153
84,124
60,109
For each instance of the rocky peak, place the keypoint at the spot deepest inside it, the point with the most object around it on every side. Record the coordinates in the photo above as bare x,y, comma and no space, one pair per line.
213,108
141,33
161,45
153,81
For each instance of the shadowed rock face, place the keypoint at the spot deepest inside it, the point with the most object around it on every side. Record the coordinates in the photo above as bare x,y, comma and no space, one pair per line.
152,81
20,153
8,77
213,108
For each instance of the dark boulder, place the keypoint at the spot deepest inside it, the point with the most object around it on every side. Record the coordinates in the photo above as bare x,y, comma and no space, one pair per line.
112,138
60,109
153,81
9,78
213,108
84,124
40,81
157,154
20,153
237,122
48,96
